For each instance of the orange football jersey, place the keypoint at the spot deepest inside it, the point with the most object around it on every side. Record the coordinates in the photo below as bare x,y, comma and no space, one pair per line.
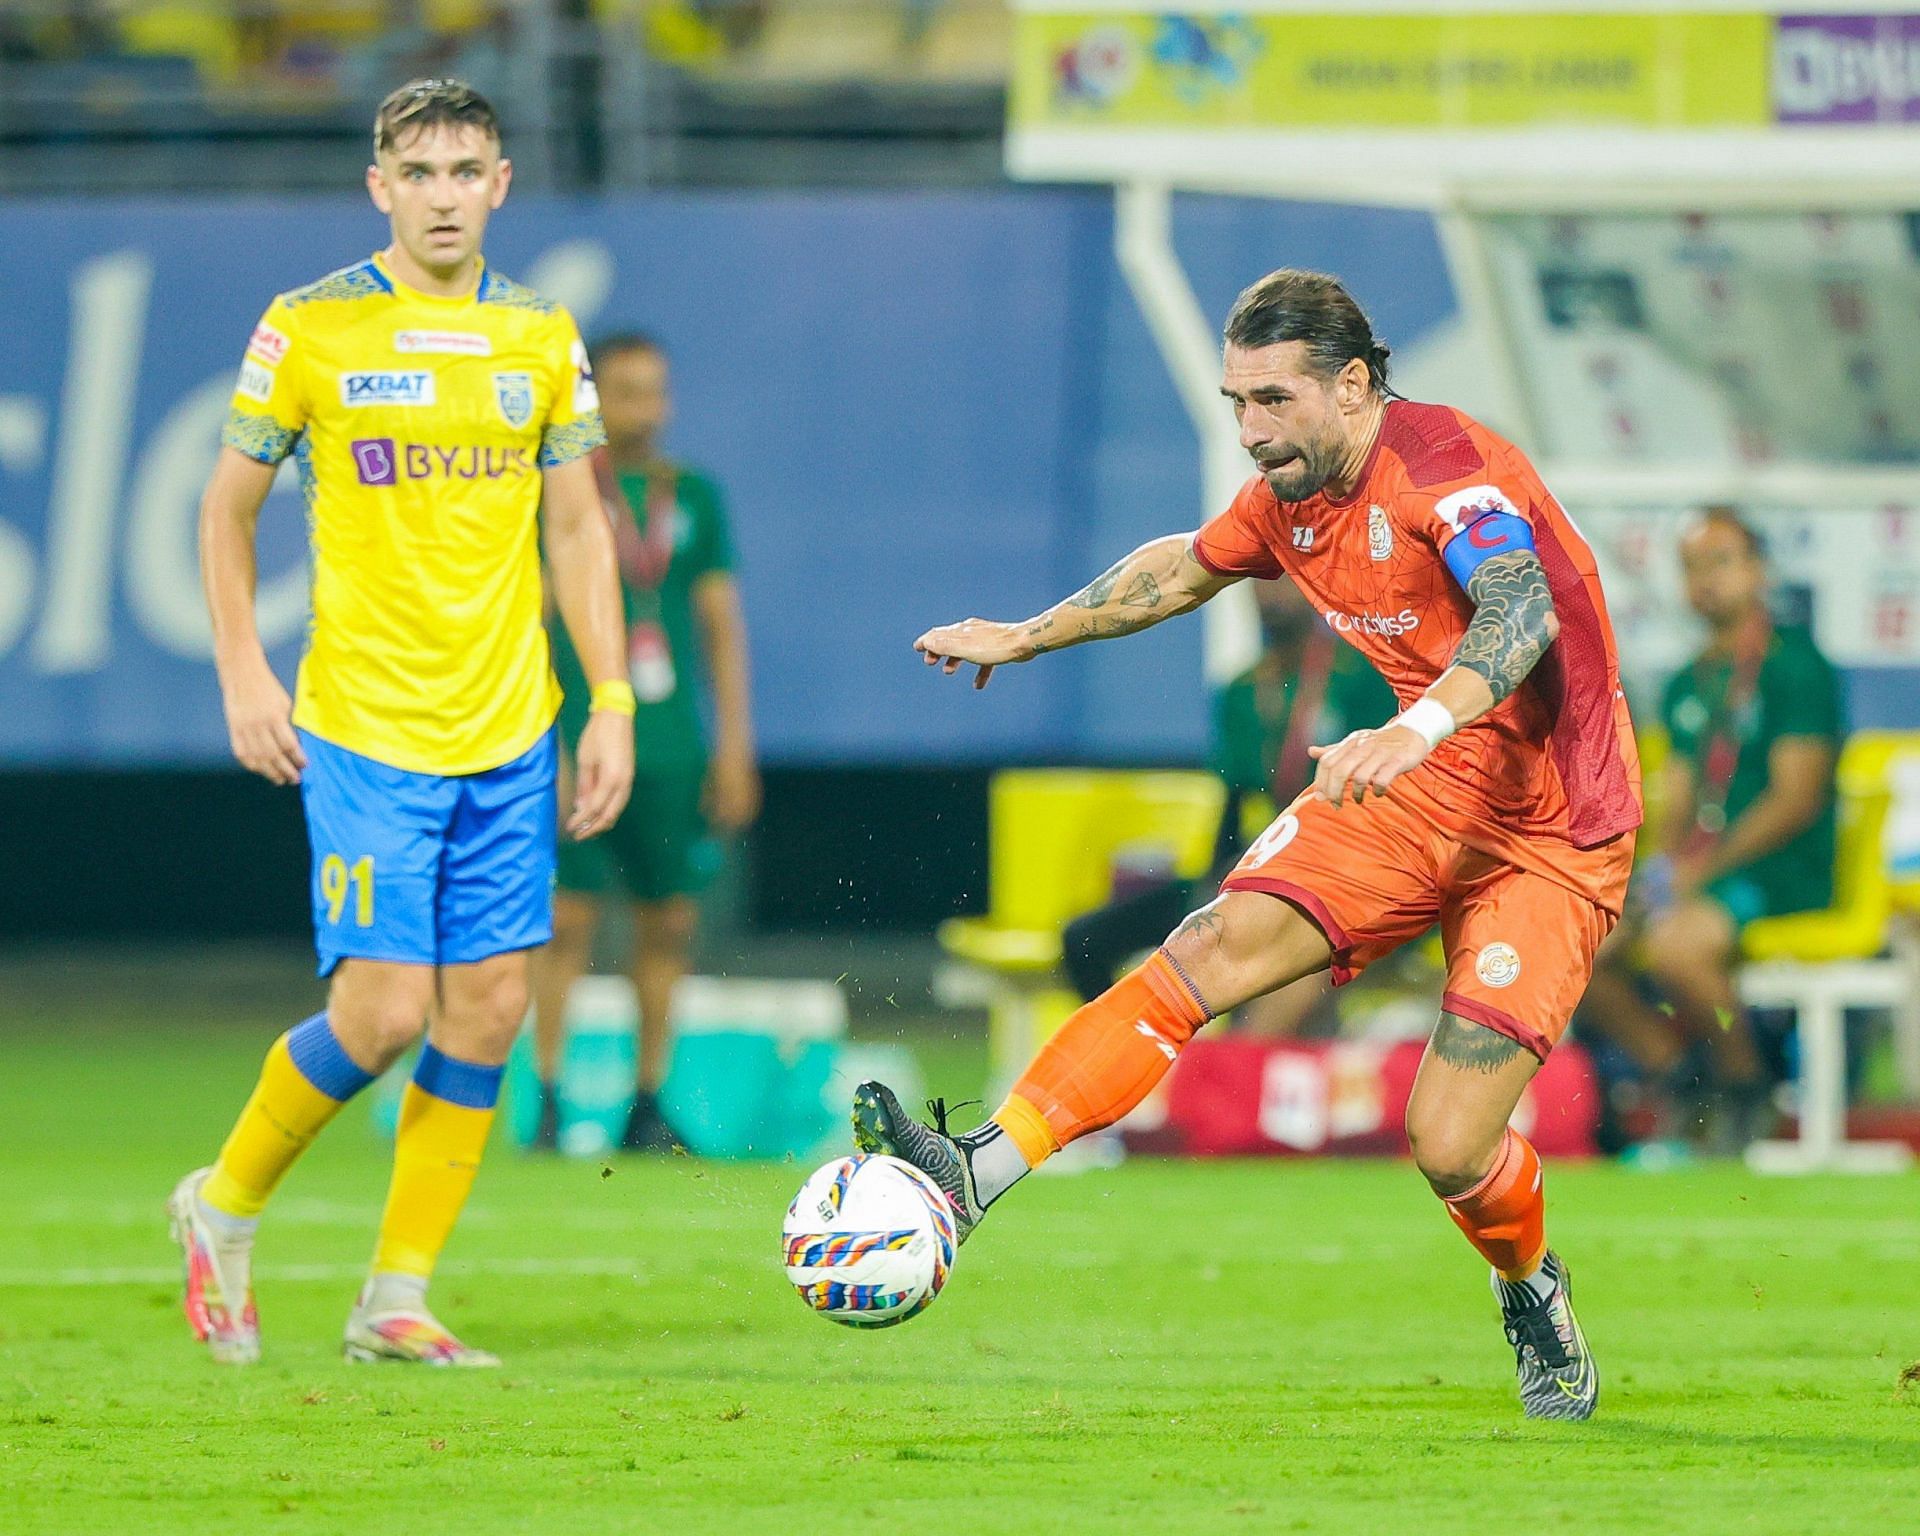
1556,758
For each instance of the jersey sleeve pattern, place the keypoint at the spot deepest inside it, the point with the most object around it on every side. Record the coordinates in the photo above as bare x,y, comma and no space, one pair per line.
504,291
268,412
359,281
573,426
1235,543
563,444
260,438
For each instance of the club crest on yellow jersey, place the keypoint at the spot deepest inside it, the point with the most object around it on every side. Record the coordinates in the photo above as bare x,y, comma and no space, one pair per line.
514,391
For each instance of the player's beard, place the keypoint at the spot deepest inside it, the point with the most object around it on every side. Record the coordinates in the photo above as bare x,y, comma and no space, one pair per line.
1305,475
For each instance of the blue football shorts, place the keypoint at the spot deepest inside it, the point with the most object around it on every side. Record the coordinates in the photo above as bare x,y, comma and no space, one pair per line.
428,868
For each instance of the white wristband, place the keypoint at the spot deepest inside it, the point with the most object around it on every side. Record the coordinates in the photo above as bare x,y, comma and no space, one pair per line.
1428,719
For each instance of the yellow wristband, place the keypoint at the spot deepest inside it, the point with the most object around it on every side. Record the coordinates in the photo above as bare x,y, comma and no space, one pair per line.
615,695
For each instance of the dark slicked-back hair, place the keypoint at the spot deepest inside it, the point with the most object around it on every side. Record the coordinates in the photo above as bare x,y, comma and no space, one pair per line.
1292,305
618,343
422,104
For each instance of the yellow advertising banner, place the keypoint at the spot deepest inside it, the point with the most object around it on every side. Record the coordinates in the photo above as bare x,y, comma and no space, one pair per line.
1392,72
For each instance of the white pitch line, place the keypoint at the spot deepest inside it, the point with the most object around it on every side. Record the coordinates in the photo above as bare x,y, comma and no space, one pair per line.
169,1274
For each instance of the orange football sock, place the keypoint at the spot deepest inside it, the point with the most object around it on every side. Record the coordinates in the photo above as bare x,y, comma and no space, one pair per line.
1505,1214
1103,1060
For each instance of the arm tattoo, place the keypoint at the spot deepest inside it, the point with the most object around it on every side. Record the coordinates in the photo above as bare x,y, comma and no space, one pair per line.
1097,591
1096,628
1472,1047
1150,585
1512,611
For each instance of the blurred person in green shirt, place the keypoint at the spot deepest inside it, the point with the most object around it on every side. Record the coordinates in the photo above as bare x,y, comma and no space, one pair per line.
1755,723
684,620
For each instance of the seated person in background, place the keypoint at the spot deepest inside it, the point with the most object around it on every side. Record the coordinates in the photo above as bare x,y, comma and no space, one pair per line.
1755,722
1307,687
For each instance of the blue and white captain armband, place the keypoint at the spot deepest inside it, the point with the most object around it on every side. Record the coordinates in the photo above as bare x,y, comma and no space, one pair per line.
1497,533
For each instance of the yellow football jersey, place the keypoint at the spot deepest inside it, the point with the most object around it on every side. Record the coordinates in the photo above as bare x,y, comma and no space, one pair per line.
420,426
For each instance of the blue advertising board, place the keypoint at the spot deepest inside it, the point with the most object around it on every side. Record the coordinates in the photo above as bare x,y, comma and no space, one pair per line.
921,406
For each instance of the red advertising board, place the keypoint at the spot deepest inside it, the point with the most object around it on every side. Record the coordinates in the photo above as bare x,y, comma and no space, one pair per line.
1238,1097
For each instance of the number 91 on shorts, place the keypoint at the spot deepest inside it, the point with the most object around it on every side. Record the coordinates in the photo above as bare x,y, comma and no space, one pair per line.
425,868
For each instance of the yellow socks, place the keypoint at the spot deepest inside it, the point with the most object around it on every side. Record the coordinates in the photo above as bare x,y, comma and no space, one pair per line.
444,1120
307,1077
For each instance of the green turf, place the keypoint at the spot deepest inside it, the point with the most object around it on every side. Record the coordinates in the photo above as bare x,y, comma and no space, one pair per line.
1167,1348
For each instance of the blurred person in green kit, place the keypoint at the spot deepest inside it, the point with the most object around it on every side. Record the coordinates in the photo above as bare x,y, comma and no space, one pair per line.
1756,721
683,620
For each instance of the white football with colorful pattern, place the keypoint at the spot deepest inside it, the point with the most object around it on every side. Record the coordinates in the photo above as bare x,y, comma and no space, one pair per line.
869,1241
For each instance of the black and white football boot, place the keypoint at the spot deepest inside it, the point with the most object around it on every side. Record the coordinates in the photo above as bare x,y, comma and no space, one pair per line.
1557,1375
881,1125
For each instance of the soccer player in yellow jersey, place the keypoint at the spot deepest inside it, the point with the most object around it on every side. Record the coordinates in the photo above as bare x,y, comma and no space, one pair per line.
432,407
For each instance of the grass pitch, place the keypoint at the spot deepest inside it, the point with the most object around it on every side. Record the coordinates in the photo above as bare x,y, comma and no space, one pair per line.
1166,1348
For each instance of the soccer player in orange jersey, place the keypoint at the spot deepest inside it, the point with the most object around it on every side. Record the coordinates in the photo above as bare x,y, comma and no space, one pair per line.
1500,802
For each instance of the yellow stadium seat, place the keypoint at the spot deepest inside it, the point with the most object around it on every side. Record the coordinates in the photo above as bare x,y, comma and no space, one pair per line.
680,35
968,42
341,21
814,42
1055,836
1256,815
194,29
1855,926
1651,741
455,15
677,32
1822,963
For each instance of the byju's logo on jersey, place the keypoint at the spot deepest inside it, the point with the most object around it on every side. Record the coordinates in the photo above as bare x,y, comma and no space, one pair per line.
404,388
1379,533
374,458
382,461
514,391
